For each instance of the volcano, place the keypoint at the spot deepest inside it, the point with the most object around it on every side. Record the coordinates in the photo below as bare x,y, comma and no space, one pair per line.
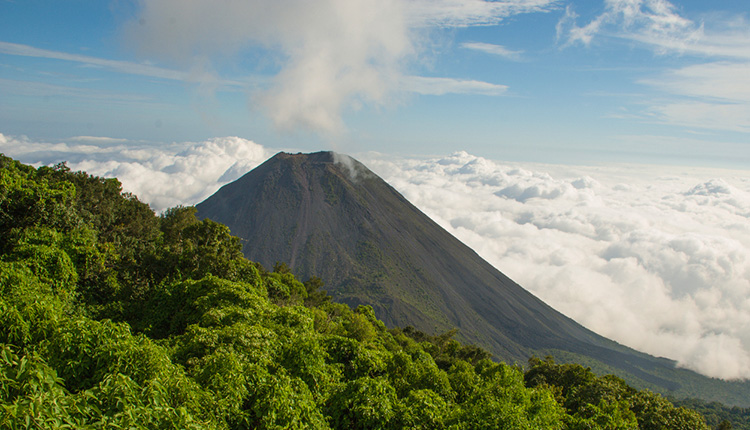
327,215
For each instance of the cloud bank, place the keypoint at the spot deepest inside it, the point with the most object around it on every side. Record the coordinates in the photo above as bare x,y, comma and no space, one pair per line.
163,176
656,258
322,58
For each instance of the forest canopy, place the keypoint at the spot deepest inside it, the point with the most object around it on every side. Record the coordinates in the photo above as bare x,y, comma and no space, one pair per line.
114,317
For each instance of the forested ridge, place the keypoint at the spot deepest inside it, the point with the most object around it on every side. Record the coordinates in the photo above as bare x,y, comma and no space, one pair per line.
114,317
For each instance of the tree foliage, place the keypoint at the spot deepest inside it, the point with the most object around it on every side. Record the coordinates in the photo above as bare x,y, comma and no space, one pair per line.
719,416
607,402
113,317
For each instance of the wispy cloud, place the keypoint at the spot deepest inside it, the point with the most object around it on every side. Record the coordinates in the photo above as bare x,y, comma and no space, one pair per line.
727,81
41,89
655,22
115,65
466,13
722,40
119,66
705,115
493,49
441,86
96,139
711,95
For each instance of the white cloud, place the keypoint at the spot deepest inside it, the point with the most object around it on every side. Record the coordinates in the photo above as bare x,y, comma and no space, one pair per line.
116,65
723,80
713,95
330,55
493,49
465,13
657,258
163,176
39,89
96,139
441,86
303,63
324,57
699,114
655,22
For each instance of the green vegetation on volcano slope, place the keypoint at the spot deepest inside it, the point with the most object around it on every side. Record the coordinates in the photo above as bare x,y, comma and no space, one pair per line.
112,317
719,416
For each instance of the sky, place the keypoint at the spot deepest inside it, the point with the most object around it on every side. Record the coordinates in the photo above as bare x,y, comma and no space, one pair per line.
596,151
559,81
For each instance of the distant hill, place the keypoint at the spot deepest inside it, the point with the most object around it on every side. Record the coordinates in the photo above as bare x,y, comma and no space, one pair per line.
327,215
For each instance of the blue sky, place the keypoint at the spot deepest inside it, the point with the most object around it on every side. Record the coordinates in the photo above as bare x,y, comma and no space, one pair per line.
563,81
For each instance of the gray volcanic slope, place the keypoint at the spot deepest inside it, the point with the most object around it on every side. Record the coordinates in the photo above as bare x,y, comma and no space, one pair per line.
342,223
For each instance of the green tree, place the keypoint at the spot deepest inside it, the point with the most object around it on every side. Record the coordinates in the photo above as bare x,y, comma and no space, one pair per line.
503,402
28,199
316,296
423,410
655,412
364,403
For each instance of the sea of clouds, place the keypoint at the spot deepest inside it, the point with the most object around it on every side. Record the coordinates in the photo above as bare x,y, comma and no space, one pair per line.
656,258
164,175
